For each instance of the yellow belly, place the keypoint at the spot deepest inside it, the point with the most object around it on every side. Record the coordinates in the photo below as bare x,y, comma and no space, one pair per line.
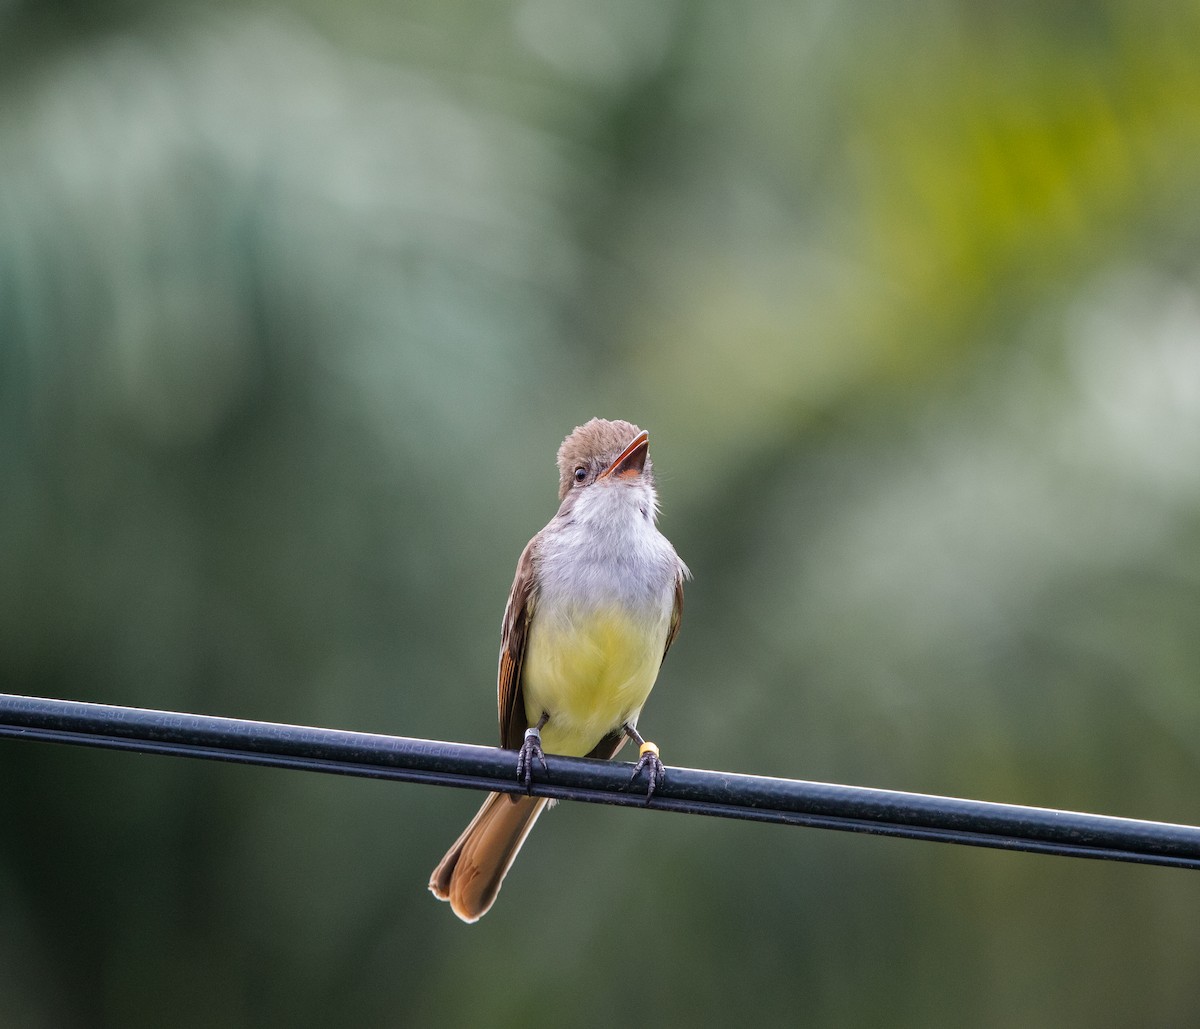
591,673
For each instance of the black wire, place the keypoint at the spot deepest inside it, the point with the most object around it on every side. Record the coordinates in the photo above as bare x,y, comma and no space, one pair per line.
686,790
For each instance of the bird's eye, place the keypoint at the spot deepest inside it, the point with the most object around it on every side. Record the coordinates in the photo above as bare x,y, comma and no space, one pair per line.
580,473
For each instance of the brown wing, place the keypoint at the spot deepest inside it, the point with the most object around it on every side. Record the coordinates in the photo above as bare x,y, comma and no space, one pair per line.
513,636
676,614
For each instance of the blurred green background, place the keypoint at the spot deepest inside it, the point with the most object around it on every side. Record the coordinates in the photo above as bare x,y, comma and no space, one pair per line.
296,303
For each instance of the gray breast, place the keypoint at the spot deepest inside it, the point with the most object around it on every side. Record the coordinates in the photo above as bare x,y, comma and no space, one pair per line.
606,553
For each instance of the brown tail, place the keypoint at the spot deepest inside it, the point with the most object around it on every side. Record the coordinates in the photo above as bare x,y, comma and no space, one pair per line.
470,874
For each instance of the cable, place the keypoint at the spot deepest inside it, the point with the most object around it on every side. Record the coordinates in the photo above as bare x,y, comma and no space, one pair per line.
685,790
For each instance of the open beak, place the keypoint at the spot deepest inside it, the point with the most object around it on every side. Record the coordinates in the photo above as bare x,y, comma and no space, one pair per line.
631,460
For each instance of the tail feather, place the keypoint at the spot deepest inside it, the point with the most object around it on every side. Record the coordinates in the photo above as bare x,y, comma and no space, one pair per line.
470,874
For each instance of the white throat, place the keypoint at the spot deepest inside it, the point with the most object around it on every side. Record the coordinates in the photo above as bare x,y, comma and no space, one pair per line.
605,550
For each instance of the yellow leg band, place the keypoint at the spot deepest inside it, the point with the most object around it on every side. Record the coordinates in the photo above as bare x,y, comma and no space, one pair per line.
648,748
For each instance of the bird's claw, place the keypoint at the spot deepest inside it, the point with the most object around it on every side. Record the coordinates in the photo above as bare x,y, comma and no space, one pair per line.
652,764
531,750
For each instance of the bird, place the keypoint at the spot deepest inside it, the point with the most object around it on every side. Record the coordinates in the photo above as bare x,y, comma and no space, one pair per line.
595,605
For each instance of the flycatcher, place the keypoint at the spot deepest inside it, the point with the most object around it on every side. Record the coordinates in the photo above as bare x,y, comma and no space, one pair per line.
594,607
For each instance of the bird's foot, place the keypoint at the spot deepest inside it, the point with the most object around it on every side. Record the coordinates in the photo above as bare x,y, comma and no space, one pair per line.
531,751
652,765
